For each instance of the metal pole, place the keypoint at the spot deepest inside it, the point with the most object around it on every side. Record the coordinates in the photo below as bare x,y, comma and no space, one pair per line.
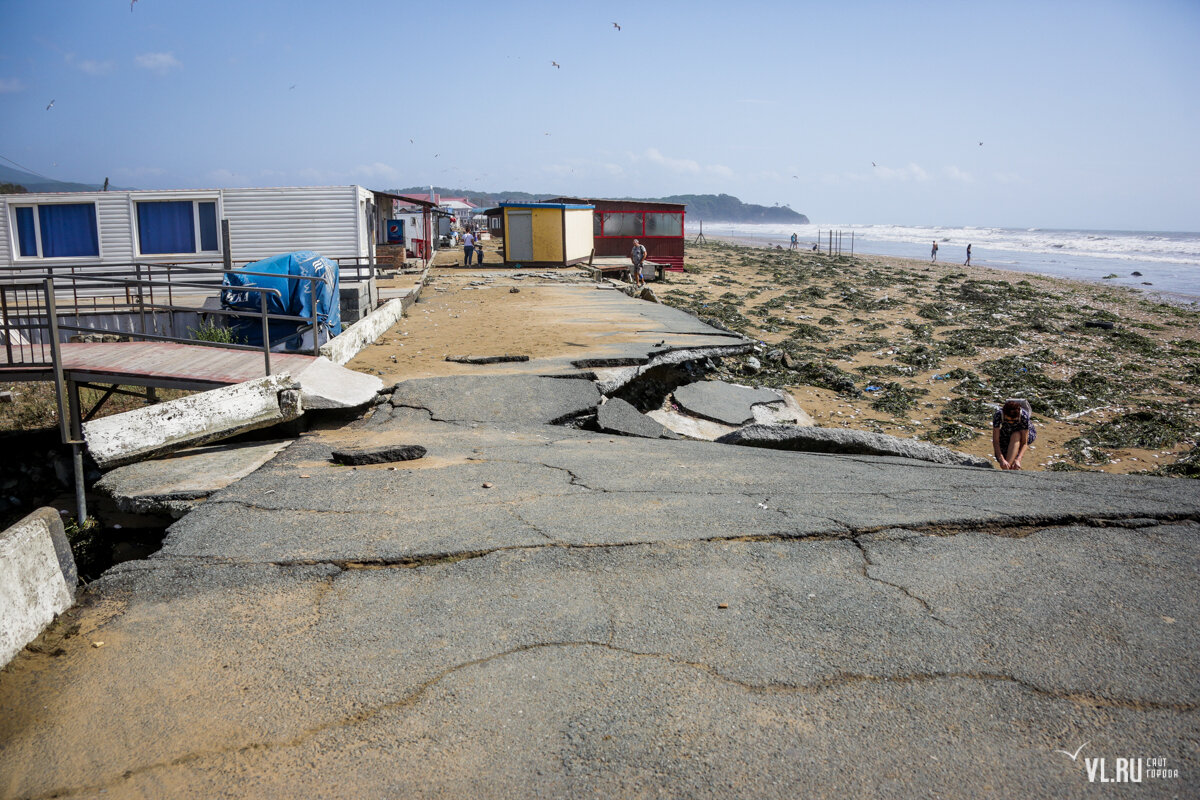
312,292
227,254
81,514
851,243
262,300
8,328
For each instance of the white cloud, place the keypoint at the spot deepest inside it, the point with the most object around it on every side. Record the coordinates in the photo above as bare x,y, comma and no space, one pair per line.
377,170
11,85
96,67
956,174
162,63
686,165
912,172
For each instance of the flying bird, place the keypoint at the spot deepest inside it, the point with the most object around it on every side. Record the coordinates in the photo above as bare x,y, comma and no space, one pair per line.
293,86
556,65
50,106
1074,755
615,25
131,2
981,144
873,164
410,141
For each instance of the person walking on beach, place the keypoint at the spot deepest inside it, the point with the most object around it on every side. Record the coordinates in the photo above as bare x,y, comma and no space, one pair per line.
795,242
468,241
933,253
967,263
637,256
1012,433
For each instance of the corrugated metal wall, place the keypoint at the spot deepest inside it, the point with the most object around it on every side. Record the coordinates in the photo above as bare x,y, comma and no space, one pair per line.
265,222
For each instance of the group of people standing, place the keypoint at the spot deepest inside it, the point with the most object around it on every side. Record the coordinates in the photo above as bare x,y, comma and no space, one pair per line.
933,254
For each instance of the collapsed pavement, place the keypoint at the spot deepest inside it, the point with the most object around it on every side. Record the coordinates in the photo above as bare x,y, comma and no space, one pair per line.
533,608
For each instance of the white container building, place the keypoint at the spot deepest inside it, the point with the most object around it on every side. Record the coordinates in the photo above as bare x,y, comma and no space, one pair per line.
99,231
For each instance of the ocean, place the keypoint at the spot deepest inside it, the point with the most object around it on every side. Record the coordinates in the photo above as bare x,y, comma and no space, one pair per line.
1169,263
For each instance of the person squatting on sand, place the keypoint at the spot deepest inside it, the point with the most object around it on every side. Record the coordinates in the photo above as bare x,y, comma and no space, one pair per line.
1012,433
468,241
637,256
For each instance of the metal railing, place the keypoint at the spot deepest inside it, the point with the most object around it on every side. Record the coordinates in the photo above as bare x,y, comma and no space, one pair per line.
142,299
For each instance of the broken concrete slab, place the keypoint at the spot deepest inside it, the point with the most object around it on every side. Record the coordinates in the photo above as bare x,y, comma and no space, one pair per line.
173,485
37,579
723,402
350,341
618,416
189,421
689,426
848,442
353,457
487,359
504,399
325,385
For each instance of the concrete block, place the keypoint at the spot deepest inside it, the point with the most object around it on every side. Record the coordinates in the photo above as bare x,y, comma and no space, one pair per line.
324,384
357,300
205,417
37,579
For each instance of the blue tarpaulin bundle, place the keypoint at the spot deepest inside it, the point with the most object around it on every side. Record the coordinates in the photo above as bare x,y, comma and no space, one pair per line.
296,298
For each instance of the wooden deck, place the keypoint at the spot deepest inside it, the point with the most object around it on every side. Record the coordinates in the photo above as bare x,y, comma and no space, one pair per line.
165,364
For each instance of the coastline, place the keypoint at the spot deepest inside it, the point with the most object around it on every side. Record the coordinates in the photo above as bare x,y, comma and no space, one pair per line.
1176,282
948,341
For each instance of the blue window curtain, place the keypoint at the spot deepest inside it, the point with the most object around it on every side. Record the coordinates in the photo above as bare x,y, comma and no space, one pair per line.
26,232
208,227
166,227
69,230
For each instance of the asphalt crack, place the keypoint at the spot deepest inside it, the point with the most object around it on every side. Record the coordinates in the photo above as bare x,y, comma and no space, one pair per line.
866,565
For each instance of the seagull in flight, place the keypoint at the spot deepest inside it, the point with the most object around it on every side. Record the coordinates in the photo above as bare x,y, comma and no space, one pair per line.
131,2
293,86
1074,755
873,164
615,25
556,65
50,106
981,144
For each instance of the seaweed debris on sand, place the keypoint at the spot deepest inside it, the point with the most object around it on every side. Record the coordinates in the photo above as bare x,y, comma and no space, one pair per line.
912,349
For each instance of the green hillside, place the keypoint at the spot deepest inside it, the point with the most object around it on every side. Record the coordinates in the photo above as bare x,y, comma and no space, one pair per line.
708,207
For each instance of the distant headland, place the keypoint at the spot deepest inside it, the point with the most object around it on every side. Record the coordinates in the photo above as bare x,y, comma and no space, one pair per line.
707,207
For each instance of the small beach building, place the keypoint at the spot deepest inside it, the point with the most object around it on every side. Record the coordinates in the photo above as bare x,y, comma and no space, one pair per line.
547,234
616,223
96,231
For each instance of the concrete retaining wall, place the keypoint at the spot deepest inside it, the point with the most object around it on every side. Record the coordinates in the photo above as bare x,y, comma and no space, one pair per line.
37,579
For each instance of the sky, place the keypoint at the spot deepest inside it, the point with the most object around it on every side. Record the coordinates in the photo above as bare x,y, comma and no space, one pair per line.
1040,114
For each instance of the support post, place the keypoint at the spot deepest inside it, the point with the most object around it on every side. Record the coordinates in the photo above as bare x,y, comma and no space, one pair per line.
266,332
81,514
226,249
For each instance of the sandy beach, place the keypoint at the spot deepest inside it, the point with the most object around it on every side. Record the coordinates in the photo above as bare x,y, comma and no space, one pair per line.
897,346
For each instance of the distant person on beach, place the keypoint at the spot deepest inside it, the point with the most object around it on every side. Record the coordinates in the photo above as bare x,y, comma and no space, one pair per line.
478,250
1012,433
967,263
468,241
637,256
795,242
933,253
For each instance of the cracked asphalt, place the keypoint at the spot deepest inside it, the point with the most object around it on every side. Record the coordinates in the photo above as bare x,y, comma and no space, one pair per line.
538,611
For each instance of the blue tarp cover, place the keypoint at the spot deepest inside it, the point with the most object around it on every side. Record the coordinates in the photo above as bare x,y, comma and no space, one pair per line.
295,298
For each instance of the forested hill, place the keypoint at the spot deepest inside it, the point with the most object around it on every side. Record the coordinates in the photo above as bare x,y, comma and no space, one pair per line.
708,207
727,208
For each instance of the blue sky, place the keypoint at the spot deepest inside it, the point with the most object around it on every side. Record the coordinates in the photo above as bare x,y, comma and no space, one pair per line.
1088,111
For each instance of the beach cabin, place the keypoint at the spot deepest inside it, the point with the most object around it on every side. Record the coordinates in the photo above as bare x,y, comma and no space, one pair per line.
100,231
616,223
494,219
547,234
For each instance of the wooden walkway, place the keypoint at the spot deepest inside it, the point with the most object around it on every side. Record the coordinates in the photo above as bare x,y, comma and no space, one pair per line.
164,364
